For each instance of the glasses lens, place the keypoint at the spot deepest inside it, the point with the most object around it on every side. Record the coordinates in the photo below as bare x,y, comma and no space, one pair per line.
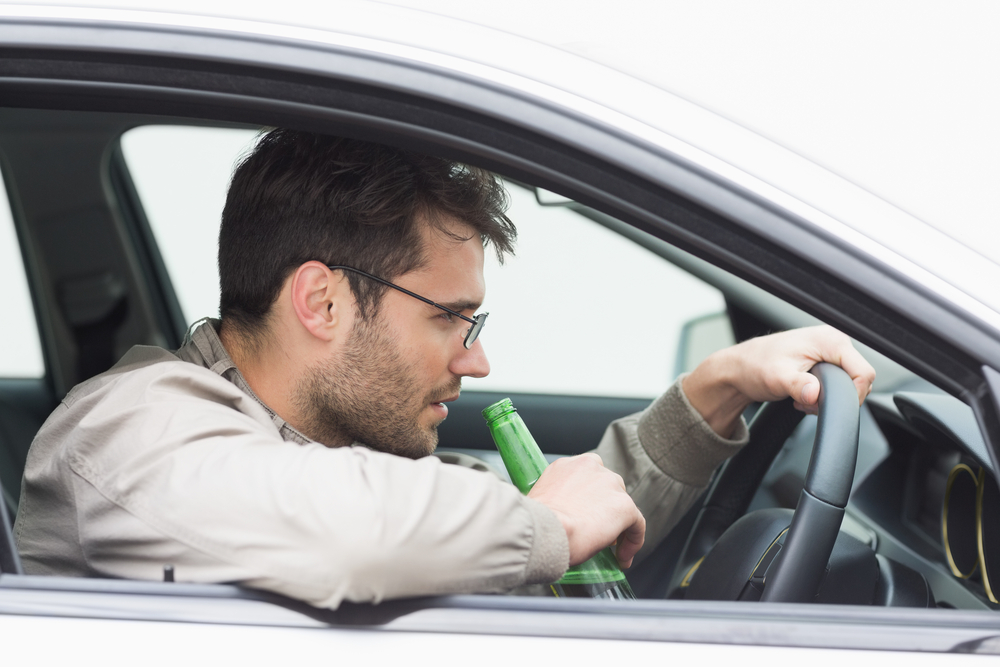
473,333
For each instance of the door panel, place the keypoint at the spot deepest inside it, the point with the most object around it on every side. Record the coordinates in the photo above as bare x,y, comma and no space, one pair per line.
559,424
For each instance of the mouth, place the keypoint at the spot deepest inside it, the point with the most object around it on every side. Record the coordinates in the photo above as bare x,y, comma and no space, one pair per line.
441,408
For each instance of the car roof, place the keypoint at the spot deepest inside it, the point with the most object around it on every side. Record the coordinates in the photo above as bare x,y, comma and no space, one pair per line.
893,96
616,93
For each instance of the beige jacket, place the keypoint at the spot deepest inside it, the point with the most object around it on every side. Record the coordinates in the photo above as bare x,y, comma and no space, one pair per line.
169,458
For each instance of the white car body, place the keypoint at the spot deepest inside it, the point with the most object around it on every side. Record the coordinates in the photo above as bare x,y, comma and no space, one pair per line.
585,105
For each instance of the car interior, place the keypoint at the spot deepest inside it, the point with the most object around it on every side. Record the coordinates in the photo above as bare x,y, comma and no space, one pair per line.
923,491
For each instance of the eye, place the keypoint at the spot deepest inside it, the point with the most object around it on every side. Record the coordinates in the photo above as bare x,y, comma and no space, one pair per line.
448,317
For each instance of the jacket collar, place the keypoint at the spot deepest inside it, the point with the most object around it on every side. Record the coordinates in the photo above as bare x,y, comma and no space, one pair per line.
202,346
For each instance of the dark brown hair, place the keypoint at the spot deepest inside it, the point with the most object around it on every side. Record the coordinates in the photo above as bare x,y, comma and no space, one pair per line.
299,197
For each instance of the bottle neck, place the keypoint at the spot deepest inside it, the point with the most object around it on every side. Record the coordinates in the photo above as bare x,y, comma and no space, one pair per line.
497,410
521,456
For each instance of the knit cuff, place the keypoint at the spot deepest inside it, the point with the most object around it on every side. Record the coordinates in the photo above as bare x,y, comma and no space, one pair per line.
679,440
549,557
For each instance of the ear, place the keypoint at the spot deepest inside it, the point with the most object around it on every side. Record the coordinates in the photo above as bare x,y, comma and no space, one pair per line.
321,299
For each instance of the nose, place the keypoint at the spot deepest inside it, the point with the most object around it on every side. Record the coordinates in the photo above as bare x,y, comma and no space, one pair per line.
471,362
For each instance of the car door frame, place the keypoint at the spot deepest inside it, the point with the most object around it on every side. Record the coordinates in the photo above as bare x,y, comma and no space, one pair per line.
261,78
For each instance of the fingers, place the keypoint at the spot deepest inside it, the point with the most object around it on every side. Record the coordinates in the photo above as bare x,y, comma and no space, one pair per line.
861,372
840,351
805,389
835,348
808,409
593,506
631,541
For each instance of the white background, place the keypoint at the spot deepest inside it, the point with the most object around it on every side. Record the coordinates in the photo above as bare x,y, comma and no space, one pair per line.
901,97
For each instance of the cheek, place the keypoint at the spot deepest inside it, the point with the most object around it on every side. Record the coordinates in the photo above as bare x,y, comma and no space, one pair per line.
427,349
427,363
434,367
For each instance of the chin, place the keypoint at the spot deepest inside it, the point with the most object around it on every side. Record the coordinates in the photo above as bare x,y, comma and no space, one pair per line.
430,446
416,449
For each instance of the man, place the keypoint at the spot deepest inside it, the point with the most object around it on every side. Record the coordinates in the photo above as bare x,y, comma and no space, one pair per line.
350,275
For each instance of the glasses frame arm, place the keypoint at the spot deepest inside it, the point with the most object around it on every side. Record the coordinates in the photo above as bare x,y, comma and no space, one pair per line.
334,267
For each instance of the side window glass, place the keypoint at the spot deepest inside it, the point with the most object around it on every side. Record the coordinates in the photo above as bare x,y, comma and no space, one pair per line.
182,175
20,347
582,310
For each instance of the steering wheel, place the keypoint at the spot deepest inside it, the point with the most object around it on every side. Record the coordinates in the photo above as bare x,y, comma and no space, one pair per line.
727,547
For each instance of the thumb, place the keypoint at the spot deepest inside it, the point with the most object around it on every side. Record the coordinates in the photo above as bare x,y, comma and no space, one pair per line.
805,389
630,541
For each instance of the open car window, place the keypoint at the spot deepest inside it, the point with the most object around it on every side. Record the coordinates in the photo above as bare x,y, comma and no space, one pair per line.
578,310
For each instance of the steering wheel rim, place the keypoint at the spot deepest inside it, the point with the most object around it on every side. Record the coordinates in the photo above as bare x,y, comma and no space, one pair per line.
799,568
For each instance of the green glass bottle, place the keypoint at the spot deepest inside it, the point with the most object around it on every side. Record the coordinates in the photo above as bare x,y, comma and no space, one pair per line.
599,577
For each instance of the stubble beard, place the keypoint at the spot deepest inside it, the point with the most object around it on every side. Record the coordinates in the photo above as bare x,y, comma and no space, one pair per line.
370,396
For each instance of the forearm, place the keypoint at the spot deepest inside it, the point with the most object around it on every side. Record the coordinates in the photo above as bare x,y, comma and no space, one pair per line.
666,455
712,390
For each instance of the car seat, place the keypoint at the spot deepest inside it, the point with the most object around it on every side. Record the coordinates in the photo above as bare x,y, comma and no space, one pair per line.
17,429
10,562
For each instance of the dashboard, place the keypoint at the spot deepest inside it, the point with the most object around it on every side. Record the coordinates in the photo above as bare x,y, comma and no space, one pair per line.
932,503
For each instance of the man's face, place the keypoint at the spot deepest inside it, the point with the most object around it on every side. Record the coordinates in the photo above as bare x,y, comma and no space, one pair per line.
388,386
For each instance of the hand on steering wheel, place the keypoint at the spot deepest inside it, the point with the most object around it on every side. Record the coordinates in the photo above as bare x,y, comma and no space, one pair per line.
797,571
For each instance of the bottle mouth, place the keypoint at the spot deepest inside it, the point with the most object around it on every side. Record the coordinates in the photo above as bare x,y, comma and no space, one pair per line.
498,409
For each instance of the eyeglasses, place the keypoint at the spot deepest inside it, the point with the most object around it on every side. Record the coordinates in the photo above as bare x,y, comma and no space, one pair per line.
477,322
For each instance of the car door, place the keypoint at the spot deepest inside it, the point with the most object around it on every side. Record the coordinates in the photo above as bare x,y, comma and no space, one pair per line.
195,72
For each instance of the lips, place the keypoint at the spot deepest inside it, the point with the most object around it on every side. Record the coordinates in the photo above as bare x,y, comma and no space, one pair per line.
441,407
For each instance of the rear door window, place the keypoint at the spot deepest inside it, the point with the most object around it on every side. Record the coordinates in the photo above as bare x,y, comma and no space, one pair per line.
20,347
182,175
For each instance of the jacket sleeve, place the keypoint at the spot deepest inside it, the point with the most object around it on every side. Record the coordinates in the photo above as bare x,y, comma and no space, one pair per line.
178,469
666,454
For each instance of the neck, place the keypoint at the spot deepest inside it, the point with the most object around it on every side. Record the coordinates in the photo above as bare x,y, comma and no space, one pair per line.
270,378
272,374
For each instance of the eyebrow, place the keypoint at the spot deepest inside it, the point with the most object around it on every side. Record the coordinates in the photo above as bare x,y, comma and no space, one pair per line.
459,306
